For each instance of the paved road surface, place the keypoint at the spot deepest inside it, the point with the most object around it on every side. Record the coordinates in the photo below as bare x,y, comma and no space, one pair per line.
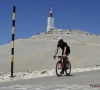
77,81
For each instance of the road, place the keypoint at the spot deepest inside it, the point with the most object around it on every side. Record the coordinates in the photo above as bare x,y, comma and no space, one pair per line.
76,81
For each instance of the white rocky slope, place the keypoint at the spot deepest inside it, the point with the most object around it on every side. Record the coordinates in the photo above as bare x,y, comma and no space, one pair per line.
36,53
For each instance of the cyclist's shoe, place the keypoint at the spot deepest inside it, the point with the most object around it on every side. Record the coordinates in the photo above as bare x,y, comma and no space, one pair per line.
66,68
62,72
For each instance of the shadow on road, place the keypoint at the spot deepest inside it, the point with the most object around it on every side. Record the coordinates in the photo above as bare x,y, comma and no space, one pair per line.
67,75
70,75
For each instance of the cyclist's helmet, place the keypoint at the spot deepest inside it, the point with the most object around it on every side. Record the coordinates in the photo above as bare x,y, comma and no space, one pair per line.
60,39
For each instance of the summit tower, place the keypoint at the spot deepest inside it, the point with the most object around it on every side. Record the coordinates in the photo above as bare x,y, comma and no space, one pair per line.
50,21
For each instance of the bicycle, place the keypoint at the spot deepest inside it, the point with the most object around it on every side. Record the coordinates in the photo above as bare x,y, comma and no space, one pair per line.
62,65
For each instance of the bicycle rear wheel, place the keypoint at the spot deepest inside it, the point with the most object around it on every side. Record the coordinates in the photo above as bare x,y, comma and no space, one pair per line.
58,69
68,69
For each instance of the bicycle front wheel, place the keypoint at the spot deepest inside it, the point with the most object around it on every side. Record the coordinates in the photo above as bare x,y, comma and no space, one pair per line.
58,68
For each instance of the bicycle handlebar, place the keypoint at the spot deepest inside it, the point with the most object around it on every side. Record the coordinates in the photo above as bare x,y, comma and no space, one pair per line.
58,56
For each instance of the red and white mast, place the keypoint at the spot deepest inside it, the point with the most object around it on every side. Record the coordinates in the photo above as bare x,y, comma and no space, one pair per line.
51,11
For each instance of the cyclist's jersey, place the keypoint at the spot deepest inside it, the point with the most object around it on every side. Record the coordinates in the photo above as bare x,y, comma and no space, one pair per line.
62,46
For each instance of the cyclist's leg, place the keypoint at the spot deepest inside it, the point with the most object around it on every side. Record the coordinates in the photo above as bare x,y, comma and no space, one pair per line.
62,61
67,61
65,58
63,64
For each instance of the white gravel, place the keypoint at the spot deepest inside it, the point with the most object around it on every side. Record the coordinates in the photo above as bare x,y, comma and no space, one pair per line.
36,74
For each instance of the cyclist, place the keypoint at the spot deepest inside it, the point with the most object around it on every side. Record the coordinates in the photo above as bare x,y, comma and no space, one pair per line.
65,51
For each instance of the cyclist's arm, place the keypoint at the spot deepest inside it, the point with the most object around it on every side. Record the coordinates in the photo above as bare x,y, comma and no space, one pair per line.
65,49
56,50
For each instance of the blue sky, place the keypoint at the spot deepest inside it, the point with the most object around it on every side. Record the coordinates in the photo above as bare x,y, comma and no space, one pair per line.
31,16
